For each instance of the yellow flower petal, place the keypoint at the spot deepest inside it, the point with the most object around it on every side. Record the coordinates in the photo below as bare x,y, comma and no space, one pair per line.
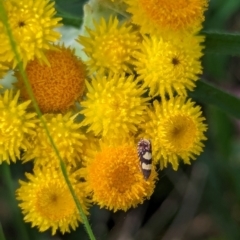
46,201
67,136
114,105
114,177
32,23
16,126
110,46
55,87
176,130
168,66
163,16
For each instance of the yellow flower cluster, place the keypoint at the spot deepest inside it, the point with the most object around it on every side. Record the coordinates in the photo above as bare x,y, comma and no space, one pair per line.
156,53
131,90
56,77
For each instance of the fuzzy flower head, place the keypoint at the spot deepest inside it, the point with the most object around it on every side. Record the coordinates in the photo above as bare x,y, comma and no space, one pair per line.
32,23
176,129
114,178
114,105
169,66
163,16
16,126
46,201
58,86
66,135
110,46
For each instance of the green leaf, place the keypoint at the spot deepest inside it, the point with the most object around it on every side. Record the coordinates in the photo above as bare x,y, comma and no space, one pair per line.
70,20
222,43
206,93
71,11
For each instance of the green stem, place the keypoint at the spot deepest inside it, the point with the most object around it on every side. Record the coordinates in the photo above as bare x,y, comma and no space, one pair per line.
2,237
30,92
7,178
79,207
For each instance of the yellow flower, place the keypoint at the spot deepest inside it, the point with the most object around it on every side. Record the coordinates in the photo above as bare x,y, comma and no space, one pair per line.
46,201
66,135
176,130
110,46
114,105
89,147
16,126
114,178
56,87
168,66
32,23
163,16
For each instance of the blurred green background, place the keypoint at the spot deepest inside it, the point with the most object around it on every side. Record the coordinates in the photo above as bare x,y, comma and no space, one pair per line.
198,202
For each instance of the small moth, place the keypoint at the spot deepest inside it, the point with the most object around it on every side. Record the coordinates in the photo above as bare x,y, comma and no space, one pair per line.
144,149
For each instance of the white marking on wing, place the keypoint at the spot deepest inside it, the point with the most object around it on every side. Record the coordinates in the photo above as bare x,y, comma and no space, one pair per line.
146,166
147,156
